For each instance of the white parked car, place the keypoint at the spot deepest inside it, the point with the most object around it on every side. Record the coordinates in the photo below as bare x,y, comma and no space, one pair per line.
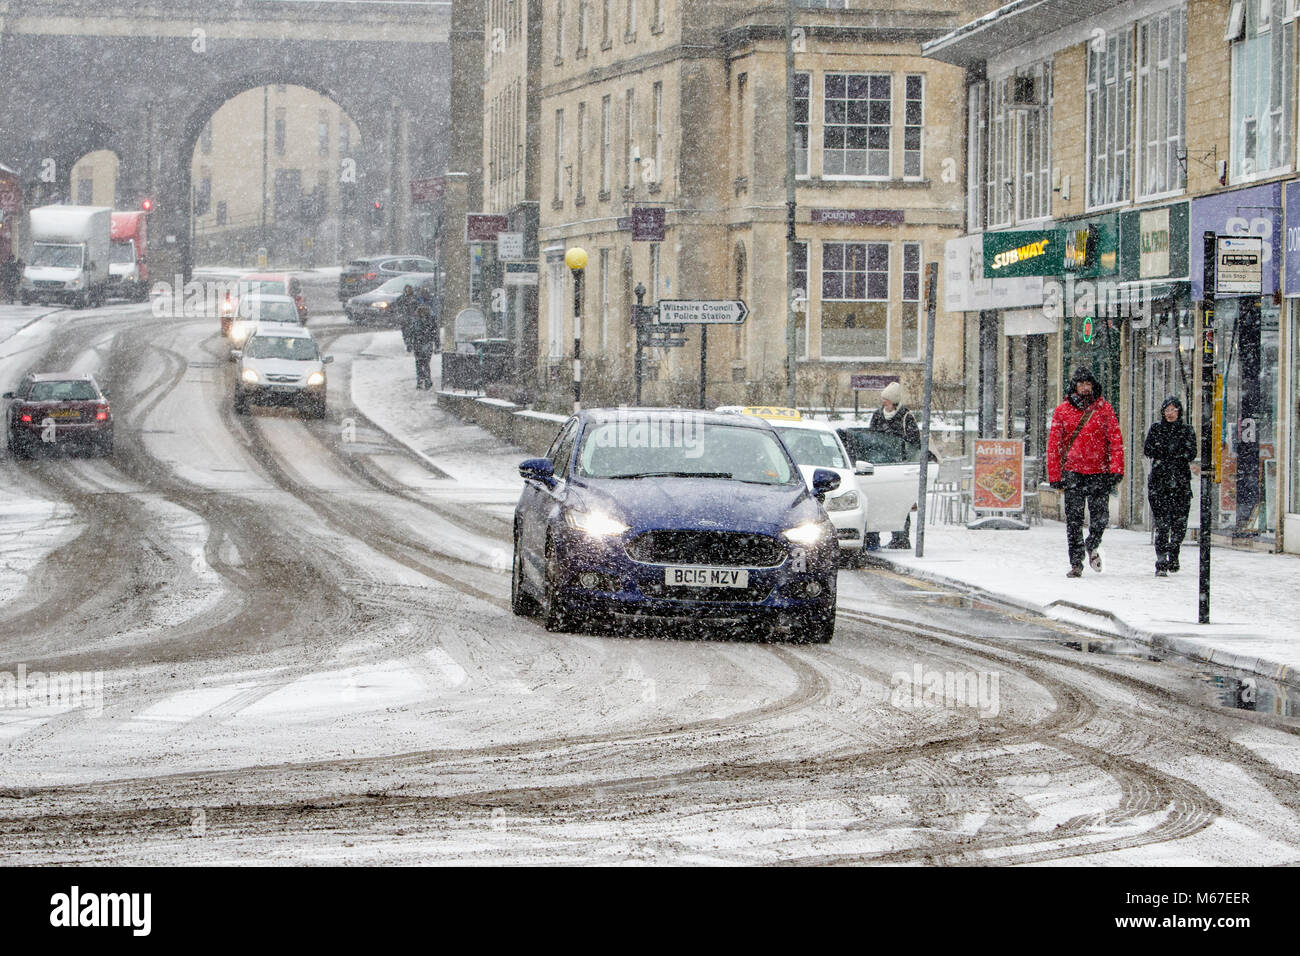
814,445
891,483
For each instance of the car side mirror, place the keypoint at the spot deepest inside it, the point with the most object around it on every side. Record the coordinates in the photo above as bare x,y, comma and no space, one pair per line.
327,359
8,395
824,482
236,354
538,469
863,468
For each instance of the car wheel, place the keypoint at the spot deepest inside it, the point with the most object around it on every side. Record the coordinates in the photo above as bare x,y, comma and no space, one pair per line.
553,616
314,410
24,298
103,447
20,447
521,603
241,405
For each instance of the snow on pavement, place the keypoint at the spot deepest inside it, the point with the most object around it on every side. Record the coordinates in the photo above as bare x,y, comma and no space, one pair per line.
1253,623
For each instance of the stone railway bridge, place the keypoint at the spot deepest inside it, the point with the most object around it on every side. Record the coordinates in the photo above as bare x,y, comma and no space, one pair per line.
143,77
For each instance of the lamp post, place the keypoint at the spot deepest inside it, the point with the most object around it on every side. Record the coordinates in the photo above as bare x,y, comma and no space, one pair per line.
576,260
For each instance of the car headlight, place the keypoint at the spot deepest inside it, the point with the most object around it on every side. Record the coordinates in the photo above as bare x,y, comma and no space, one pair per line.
808,533
238,332
249,376
598,524
316,378
75,283
381,305
845,502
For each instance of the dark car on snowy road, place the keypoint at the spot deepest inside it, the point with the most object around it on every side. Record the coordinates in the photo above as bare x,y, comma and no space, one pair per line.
669,515
57,409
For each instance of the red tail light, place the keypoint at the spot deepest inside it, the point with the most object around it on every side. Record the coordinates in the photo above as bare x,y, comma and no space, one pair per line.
101,414
372,275
25,418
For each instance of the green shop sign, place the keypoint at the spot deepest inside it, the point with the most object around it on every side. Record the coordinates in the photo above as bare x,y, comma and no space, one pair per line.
1154,243
1085,248
1009,255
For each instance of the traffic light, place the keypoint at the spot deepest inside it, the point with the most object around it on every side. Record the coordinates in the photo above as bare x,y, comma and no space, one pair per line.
146,204
1088,329
377,213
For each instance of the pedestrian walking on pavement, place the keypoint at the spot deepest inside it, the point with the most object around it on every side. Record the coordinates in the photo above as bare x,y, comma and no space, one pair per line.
1085,459
403,311
10,273
1171,445
422,333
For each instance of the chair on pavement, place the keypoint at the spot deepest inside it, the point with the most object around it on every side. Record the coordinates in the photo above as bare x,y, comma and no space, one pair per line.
947,501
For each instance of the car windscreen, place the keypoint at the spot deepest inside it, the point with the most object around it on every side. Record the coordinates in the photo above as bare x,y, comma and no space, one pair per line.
879,448
121,253
74,391
56,256
678,447
294,347
274,311
254,286
812,447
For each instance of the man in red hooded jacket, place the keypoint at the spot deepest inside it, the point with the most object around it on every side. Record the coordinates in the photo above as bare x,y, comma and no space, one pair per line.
1085,457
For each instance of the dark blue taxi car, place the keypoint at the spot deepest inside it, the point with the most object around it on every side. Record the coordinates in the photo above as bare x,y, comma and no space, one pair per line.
669,515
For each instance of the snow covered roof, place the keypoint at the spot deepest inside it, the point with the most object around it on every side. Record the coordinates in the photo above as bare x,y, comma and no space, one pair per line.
1010,26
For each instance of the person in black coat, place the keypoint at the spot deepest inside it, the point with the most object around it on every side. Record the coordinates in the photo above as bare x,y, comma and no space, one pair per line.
422,336
1171,444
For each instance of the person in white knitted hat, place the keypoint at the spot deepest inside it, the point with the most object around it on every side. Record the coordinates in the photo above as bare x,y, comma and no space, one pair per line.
895,418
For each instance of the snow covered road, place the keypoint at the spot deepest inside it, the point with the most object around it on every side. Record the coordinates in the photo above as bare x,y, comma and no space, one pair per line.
303,637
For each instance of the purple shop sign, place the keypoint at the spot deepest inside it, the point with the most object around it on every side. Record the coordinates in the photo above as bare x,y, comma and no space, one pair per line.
858,217
1291,249
1256,211
871,383
648,223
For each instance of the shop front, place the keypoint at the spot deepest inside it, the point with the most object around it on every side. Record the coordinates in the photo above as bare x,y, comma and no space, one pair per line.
993,309
1153,265
1289,462
1246,364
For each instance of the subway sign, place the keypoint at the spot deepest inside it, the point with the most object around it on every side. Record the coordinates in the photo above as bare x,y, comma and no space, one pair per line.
1022,253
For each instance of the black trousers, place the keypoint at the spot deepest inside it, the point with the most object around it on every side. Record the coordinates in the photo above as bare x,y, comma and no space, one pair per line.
423,374
1092,492
1171,528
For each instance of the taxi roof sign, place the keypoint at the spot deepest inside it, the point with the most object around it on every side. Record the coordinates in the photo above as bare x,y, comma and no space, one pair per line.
773,413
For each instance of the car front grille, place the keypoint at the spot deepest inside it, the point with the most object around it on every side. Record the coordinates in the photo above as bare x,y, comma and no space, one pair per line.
723,548
754,594
282,379
48,284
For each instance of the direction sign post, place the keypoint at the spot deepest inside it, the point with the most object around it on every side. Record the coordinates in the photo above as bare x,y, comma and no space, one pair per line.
702,312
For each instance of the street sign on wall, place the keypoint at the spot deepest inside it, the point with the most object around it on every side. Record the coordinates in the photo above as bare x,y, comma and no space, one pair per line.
871,383
648,223
703,311
510,245
426,190
484,227
1241,265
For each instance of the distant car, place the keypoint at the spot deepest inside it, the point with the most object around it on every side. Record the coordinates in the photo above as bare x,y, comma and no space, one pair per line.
895,471
371,308
281,365
256,310
672,515
362,275
58,408
265,284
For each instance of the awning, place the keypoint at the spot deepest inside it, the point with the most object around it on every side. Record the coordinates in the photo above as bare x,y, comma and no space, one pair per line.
1011,25
1028,322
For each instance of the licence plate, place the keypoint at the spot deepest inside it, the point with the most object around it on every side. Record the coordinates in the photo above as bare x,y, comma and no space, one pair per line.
65,413
283,388
698,577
